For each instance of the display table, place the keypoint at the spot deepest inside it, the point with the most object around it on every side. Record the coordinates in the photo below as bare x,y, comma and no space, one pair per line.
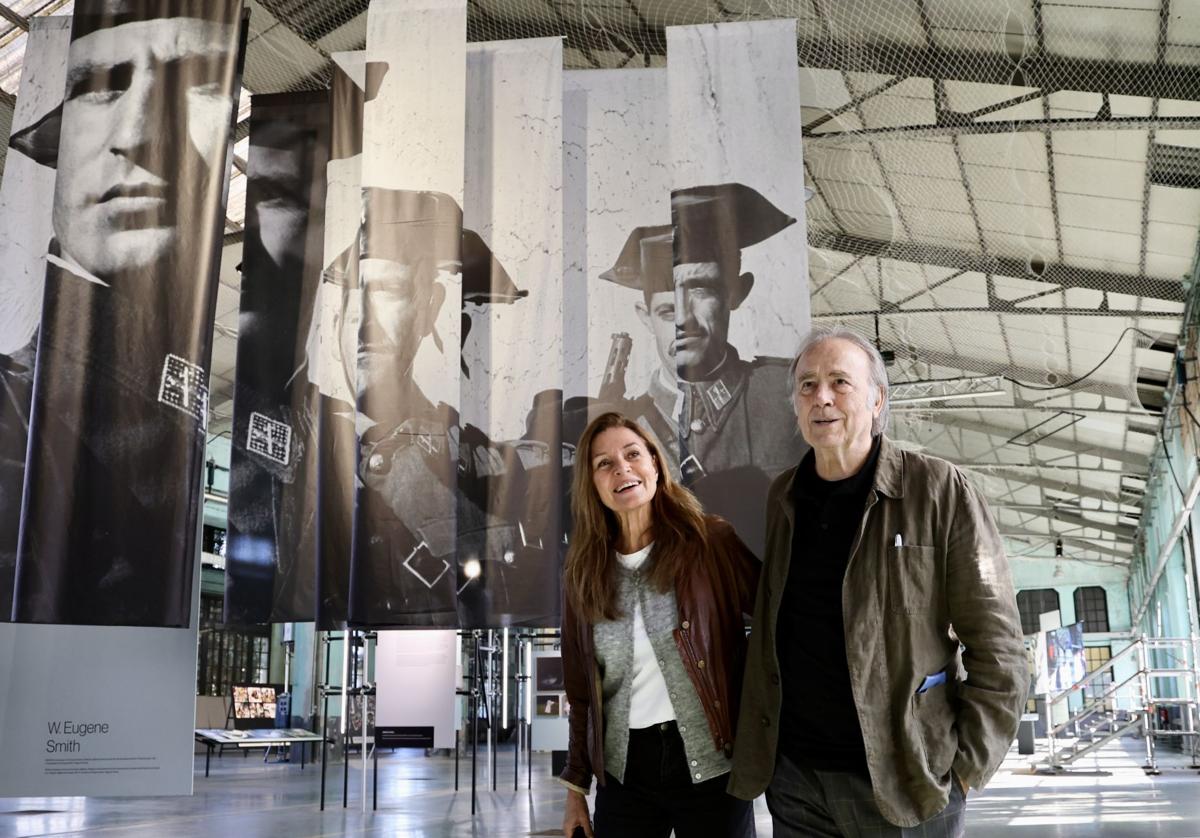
265,738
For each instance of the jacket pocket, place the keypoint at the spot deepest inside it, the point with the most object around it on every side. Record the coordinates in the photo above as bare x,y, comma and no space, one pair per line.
911,578
933,714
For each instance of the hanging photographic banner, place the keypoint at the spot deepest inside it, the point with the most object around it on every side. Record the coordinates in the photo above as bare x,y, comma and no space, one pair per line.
617,181
120,402
332,345
510,453
405,568
26,199
270,553
735,272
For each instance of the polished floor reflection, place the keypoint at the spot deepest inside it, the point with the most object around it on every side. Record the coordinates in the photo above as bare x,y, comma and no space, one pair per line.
1107,796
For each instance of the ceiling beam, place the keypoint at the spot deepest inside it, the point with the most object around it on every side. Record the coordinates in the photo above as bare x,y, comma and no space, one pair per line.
1068,487
1116,545
1020,467
1000,307
1065,276
990,366
930,407
1048,506
17,20
1139,462
1039,70
1023,532
816,49
1122,533
958,125
853,103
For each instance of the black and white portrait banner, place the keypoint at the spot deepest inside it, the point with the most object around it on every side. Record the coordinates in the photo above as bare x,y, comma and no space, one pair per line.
404,565
736,271
510,453
332,348
26,201
120,402
617,183
270,568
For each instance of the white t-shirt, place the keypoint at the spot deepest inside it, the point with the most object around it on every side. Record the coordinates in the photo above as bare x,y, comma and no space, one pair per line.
649,701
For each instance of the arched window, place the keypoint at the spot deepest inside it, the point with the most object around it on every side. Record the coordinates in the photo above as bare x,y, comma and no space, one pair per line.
1091,606
1033,602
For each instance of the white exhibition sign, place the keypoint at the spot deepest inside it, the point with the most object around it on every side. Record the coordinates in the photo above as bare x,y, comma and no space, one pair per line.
416,674
98,710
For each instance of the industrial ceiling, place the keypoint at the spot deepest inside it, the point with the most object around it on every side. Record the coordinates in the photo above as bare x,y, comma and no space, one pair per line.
1007,199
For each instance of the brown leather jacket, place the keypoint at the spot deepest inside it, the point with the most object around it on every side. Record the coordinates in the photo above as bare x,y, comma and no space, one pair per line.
711,639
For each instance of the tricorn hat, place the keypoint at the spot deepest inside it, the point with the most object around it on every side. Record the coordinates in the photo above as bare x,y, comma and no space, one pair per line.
93,15
410,226
712,223
39,140
403,225
484,279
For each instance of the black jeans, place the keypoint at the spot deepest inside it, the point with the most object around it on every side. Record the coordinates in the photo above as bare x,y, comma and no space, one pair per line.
836,804
658,795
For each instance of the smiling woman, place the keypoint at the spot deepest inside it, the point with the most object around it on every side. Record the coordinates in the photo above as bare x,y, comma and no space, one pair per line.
626,478
653,637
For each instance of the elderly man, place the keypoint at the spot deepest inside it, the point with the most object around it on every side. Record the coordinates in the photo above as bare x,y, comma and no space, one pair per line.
886,672
120,401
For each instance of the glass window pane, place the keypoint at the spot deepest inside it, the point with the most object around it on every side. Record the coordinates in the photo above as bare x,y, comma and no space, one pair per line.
1034,602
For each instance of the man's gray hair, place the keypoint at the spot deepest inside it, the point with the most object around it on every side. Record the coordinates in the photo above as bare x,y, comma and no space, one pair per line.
874,359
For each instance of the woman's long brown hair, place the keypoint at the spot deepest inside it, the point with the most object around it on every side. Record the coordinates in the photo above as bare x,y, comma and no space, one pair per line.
677,522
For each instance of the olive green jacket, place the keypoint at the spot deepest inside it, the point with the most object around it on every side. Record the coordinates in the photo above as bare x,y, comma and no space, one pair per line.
906,609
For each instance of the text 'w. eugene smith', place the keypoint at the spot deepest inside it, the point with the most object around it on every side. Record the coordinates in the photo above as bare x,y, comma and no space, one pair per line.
75,730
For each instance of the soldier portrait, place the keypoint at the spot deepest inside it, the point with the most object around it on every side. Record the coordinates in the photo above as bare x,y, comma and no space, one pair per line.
444,533
120,399
722,419
274,428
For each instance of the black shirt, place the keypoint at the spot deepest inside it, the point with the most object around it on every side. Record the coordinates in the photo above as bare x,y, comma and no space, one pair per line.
818,722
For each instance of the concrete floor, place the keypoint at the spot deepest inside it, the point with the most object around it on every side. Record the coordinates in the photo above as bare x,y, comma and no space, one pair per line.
1108,796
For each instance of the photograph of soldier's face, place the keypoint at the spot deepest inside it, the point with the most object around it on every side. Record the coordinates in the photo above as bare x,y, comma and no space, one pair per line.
691,324
346,317
701,319
657,313
118,200
282,209
401,304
